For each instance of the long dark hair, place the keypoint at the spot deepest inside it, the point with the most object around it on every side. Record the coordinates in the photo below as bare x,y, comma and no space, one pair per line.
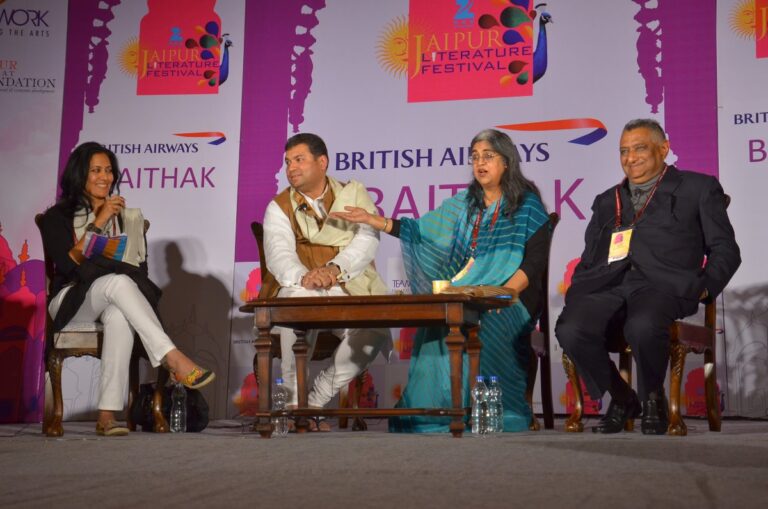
75,176
513,182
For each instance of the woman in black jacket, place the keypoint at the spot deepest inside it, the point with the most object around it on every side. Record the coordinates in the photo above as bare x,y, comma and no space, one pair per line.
97,288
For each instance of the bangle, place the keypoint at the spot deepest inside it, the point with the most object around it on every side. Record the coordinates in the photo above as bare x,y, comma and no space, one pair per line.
386,222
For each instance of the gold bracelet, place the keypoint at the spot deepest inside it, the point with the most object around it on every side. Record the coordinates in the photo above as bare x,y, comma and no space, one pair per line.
386,222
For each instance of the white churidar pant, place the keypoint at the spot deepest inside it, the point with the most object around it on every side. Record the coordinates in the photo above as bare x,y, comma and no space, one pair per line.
117,302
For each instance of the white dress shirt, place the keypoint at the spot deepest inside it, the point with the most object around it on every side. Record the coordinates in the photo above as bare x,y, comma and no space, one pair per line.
280,247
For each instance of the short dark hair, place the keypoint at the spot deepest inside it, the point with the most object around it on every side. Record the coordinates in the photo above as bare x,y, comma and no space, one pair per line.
647,123
314,142
75,175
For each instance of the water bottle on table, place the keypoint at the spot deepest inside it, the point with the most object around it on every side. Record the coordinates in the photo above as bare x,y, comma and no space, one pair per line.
279,400
178,409
479,407
495,406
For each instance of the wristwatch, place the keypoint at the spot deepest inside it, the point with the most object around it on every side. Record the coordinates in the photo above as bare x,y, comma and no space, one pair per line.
90,227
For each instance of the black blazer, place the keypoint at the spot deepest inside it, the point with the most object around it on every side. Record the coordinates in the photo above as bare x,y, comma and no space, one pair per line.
58,233
685,220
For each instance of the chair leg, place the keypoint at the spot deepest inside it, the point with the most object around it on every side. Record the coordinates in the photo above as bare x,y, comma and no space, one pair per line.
358,424
677,362
55,429
161,425
574,423
344,402
710,388
533,367
547,406
47,402
625,369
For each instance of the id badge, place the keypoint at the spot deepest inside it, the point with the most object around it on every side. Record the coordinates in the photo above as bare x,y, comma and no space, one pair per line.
619,245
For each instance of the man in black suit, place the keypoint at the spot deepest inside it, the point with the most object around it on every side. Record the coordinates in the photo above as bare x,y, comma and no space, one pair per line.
656,244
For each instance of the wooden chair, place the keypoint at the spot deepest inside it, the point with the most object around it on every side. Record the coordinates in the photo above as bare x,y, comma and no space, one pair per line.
325,345
540,349
77,340
684,338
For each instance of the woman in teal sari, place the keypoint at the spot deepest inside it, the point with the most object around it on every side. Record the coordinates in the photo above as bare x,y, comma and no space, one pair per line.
493,233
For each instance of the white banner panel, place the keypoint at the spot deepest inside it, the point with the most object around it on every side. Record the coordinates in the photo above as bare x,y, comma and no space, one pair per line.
32,46
743,141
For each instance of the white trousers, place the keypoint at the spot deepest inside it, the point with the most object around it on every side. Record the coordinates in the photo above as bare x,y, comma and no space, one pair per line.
117,302
358,348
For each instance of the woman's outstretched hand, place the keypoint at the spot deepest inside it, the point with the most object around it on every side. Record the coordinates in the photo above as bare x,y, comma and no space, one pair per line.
355,215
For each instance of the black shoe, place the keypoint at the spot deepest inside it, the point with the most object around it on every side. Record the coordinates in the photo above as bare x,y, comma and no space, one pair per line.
655,414
618,414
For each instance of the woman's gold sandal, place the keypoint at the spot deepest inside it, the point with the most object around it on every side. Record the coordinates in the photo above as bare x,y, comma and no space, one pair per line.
111,429
197,378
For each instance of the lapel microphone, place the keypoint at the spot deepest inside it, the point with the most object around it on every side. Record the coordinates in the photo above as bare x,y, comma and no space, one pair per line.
302,208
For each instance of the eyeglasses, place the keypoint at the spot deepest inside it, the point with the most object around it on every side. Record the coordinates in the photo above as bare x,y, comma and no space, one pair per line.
486,157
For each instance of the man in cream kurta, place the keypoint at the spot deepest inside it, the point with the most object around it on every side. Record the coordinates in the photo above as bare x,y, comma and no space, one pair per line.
309,254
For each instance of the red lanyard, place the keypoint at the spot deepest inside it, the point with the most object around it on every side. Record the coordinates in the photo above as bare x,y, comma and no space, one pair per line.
640,212
476,227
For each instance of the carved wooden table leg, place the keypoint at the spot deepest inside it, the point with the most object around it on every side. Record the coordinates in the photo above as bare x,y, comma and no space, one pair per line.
710,389
300,349
574,423
677,363
473,352
55,429
455,342
262,369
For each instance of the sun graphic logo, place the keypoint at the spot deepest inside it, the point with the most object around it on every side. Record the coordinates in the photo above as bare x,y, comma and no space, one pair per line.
742,19
129,57
749,20
392,48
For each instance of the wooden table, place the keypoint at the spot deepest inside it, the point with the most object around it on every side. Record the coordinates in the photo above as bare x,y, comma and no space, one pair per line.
460,313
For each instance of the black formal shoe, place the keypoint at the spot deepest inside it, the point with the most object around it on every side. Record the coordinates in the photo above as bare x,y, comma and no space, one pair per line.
655,414
618,414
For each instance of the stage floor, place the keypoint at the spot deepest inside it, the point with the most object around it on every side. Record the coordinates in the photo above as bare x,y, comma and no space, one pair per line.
226,465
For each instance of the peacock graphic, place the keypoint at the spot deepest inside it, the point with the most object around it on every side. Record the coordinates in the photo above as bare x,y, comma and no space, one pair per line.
224,66
516,19
540,53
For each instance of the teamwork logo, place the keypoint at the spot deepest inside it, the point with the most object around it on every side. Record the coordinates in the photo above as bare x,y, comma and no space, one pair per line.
467,49
749,19
178,51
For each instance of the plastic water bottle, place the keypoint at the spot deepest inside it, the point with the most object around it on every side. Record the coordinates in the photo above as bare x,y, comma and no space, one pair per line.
178,409
495,406
480,407
279,399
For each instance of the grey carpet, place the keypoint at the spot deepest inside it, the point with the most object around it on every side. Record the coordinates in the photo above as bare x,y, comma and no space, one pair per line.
227,467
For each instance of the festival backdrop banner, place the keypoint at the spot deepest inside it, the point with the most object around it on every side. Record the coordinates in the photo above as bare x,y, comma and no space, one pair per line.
33,35
161,87
743,140
397,99
397,106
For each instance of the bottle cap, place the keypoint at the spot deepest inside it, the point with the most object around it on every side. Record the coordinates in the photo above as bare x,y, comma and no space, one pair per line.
480,378
494,378
278,381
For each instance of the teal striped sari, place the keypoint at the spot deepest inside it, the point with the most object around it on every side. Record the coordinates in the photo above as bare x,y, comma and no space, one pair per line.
436,247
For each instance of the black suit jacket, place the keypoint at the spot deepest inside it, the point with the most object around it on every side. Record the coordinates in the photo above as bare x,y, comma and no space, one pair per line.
685,220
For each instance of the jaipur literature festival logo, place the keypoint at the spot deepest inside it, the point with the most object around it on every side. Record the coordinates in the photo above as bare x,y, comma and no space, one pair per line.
467,49
179,51
749,20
